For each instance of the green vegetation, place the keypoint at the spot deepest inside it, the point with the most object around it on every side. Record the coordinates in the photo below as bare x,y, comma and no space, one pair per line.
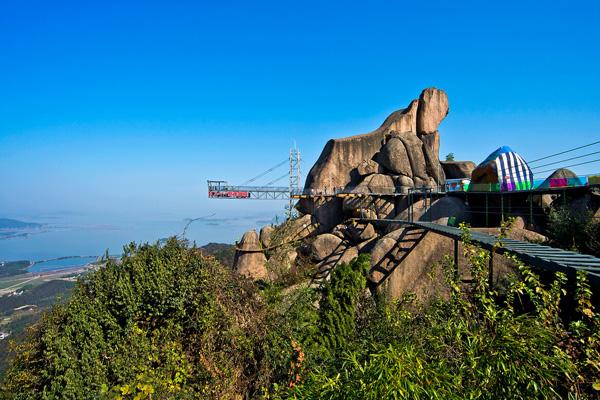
224,253
170,323
571,230
40,297
12,268
450,157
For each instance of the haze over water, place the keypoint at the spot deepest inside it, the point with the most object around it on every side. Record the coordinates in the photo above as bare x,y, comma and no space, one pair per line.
92,236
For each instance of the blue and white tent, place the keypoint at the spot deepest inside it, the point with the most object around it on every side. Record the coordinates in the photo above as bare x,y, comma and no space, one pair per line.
503,170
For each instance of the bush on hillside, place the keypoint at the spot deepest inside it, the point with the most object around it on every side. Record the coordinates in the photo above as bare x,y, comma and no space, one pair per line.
572,230
477,344
168,323
164,323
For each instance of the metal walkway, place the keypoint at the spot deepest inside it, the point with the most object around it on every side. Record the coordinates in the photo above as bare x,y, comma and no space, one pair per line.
535,255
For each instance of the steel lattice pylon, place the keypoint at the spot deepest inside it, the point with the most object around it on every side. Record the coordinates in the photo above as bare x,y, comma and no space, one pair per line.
295,177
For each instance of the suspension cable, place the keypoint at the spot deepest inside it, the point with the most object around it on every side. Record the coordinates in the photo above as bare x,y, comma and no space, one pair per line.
567,159
278,179
563,152
568,166
265,172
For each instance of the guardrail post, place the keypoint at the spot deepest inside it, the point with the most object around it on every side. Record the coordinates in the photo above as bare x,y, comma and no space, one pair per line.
531,210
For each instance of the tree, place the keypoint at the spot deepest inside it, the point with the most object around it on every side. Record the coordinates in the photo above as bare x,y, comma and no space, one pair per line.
450,157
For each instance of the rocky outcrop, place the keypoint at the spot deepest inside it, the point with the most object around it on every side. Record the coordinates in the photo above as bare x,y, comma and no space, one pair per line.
432,141
295,230
394,157
445,211
402,153
562,173
338,165
249,259
376,183
368,167
458,169
359,232
433,108
265,235
324,246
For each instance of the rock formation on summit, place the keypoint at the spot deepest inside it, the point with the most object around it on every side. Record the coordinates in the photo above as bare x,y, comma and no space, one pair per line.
250,262
372,175
403,151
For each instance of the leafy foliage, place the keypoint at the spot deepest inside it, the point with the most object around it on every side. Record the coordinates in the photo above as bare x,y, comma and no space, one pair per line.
571,230
338,306
165,321
479,343
169,323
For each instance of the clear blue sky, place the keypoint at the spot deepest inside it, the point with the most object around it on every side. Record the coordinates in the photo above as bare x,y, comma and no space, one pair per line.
128,107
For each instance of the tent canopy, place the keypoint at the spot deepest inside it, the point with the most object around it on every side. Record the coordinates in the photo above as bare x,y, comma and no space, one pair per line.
505,170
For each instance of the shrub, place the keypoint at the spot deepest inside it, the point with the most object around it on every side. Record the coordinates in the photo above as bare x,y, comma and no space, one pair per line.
572,230
477,344
165,322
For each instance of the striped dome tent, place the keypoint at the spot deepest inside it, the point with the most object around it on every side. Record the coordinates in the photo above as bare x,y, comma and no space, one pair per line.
503,170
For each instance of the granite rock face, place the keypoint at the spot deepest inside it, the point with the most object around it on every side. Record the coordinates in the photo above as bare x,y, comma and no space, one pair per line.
249,259
265,235
405,149
324,245
458,169
433,108
338,163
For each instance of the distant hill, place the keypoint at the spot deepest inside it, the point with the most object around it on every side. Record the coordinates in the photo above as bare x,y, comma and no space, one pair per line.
11,268
7,223
223,252
41,297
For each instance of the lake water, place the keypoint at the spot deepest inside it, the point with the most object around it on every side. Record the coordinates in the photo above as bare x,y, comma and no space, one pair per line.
83,236
61,263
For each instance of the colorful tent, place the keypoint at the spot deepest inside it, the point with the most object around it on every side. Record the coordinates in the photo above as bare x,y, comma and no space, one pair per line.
503,170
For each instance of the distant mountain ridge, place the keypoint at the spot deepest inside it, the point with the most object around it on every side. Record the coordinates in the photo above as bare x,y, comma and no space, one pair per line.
7,223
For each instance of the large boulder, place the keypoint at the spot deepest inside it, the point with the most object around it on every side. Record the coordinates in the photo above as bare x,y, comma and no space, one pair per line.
360,232
265,235
397,147
324,246
375,206
444,211
458,169
376,183
295,230
562,173
394,157
433,108
341,156
415,152
432,141
588,203
249,259
447,211
368,167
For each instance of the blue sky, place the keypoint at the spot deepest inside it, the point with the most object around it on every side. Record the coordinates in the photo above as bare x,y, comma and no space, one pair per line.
126,108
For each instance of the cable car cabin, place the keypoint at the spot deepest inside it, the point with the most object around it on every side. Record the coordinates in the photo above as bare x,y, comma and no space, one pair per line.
222,190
